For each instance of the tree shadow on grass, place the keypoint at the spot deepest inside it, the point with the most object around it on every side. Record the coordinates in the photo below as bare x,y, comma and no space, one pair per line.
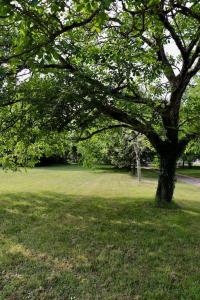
77,167
57,246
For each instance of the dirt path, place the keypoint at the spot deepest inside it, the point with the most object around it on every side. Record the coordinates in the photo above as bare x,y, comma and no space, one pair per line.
182,178
188,179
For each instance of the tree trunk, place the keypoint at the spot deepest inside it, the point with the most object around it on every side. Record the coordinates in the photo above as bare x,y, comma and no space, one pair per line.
139,175
137,156
183,163
166,180
133,167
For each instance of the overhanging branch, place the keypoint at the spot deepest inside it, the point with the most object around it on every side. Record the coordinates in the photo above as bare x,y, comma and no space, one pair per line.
114,92
163,18
102,130
52,36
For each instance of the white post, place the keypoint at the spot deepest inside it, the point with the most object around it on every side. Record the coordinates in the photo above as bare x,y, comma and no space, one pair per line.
137,155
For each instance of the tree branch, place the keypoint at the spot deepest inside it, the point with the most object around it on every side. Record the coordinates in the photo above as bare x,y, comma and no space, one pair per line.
9,103
115,92
103,129
168,70
187,11
195,69
163,18
75,25
52,37
136,125
194,41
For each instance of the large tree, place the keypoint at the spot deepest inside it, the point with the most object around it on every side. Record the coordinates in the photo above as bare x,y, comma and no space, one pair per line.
129,61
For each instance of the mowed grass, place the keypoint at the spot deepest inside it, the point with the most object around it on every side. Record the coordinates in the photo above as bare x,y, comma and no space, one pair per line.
193,172
73,233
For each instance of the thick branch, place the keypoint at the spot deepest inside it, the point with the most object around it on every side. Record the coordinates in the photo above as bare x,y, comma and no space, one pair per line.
163,18
168,70
136,125
115,92
167,67
193,71
9,103
74,25
194,41
188,11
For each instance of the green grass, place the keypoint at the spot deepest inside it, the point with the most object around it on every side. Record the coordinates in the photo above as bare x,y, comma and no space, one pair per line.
69,233
193,172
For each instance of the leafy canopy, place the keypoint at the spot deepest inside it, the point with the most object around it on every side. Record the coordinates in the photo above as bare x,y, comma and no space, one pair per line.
97,64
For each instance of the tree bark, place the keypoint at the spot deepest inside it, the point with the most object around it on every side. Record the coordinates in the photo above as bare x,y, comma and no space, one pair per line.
133,167
137,156
183,163
166,180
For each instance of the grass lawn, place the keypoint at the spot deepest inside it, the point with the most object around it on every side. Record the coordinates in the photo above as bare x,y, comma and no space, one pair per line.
193,172
72,233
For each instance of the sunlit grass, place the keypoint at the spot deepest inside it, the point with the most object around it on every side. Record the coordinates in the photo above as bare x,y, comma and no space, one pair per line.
73,233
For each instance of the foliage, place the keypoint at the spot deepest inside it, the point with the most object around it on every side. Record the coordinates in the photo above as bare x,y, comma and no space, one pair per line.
104,63
190,109
93,151
115,147
190,114
27,151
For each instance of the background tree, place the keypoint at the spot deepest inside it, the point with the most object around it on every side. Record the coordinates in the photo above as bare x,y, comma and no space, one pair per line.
191,154
191,123
108,60
115,147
